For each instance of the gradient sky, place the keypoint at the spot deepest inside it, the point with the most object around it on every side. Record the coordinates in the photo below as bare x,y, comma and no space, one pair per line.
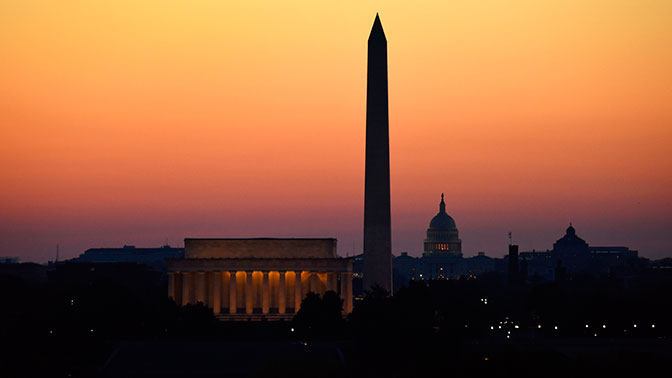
145,122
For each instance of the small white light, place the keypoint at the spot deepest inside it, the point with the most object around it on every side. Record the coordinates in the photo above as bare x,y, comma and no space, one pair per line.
509,332
50,331
508,337
91,329
500,327
556,327
516,326
604,326
538,325
292,330
653,326
635,325
595,335
491,327
586,325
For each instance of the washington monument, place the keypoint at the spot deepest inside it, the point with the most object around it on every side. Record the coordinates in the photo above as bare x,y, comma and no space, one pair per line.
377,233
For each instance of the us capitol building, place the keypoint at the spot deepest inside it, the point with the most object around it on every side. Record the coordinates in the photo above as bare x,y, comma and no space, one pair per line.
442,235
442,257
442,253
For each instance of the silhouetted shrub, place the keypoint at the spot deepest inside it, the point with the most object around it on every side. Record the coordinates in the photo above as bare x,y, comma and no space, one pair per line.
320,317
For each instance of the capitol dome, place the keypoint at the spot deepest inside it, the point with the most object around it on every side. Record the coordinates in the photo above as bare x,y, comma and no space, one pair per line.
442,221
442,235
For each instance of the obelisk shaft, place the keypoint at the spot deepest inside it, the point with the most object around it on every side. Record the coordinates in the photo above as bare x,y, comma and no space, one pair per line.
377,224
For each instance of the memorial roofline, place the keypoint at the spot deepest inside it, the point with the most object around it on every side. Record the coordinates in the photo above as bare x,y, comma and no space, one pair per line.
260,239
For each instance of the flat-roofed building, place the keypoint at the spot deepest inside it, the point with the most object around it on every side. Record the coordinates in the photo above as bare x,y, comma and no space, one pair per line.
258,279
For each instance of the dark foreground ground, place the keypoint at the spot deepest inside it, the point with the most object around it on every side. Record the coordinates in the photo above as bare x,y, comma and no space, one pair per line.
282,355
558,358
452,328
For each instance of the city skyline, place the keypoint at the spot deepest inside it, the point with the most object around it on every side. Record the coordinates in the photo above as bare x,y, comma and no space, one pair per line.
250,122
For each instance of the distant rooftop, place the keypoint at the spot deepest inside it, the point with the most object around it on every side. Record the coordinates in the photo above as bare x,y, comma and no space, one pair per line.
154,257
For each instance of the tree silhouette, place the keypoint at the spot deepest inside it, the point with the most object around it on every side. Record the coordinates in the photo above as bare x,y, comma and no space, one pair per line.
320,317
372,316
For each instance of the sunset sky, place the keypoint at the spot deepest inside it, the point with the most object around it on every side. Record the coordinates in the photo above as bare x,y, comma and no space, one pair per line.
145,122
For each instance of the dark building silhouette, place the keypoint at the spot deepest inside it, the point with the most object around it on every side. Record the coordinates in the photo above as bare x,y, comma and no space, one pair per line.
139,269
377,223
31,272
137,277
570,256
514,275
154,258
572,250
576,256
560,272
523,270
442,256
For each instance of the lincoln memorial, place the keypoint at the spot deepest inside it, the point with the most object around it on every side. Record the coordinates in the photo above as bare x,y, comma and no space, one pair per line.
258,279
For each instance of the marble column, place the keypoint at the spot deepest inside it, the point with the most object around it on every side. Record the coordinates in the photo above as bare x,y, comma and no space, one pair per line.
171,285
224,284
314,283
331,281
249,295
200,288
282,294
233,287
216,290
265,293
347,298
186,288
298,291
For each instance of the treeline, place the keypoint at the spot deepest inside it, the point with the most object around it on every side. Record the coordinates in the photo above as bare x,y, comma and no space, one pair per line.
68,328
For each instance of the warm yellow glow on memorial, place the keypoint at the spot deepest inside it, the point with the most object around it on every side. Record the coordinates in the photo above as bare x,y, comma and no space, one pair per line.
261,290
145,121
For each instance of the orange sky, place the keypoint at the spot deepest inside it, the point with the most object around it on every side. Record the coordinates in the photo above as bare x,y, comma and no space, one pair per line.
145,122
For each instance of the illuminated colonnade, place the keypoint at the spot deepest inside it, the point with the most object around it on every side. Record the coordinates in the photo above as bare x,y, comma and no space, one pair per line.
255,291
241,277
